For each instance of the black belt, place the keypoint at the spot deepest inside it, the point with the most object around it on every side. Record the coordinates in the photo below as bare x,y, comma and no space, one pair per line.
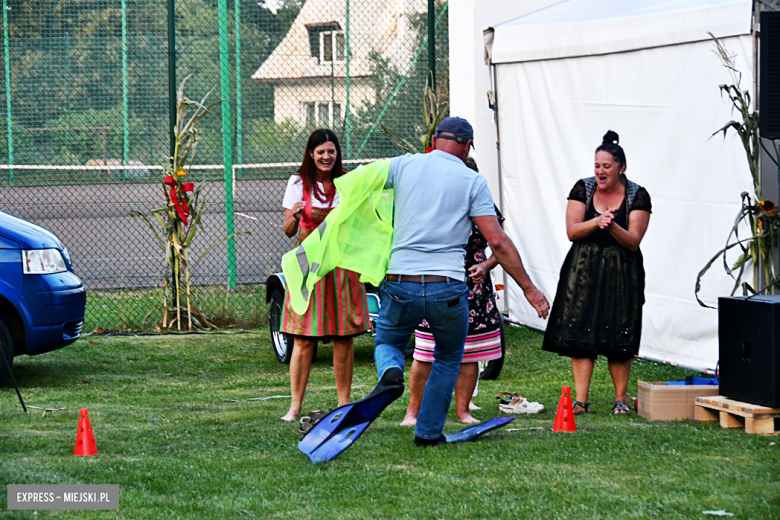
420,278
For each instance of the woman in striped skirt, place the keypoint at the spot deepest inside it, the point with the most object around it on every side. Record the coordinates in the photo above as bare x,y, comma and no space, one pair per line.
338,309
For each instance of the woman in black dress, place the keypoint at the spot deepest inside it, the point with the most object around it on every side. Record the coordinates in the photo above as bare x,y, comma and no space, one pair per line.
598,304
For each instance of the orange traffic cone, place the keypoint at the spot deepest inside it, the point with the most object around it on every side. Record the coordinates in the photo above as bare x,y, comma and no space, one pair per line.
85,439
564,417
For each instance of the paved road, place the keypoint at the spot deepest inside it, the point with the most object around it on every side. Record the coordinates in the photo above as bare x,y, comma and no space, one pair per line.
111,249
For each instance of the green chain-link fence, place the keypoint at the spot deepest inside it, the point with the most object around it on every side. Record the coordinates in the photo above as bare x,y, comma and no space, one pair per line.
84,122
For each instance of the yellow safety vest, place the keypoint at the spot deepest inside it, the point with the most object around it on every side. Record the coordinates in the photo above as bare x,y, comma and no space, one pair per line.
356,235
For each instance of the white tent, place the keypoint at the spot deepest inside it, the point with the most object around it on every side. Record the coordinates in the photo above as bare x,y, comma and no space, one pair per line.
567,73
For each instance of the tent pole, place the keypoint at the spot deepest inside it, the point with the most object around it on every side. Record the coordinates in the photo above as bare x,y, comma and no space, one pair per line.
500,177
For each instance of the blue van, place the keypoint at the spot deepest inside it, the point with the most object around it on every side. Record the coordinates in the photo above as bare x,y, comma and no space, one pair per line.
42,301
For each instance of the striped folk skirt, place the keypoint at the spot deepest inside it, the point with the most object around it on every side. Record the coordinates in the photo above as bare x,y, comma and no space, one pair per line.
337,307
484,346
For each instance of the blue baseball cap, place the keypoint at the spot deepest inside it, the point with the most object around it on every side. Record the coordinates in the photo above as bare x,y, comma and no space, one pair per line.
459,128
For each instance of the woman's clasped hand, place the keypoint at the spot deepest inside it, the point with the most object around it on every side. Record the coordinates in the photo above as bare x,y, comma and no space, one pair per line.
605,219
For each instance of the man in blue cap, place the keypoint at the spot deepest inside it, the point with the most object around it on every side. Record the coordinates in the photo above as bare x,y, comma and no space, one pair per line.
436,199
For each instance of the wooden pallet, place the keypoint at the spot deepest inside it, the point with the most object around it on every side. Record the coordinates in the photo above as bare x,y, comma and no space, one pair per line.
736,414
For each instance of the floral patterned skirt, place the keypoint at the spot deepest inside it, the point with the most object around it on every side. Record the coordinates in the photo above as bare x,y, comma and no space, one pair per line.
483,342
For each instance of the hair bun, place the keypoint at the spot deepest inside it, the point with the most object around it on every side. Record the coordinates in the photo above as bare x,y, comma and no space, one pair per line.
611,138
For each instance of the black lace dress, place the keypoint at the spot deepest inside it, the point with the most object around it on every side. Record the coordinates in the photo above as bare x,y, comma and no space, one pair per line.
598,304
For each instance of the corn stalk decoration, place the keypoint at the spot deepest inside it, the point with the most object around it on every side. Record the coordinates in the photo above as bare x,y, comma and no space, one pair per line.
760,215
179,219
435,107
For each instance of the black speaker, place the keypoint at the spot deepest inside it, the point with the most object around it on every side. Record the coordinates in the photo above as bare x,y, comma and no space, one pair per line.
769,76
749,338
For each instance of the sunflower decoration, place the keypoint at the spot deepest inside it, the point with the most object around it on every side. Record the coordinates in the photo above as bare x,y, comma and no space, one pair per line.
768,207
768,223
759,218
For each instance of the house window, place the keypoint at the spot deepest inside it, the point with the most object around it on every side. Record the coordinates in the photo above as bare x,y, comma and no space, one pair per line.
332,44
309,113
341,47
317,41
324,114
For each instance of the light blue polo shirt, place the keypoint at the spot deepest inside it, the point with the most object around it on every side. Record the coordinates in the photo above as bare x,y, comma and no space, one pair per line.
435,195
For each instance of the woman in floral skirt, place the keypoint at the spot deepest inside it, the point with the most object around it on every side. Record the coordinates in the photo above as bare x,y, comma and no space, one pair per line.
483,342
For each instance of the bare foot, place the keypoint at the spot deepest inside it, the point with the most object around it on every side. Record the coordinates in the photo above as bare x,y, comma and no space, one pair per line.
291,416
468,419
409,421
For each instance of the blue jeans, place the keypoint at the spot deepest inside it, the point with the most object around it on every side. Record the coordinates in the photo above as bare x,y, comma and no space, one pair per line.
445,306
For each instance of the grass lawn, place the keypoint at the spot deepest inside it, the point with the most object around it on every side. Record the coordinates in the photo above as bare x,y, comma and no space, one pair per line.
177,447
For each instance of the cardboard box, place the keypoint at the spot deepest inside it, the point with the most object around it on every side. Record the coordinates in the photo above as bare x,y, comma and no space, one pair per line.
658,401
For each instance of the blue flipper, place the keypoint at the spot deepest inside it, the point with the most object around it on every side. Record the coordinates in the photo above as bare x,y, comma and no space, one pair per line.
325,427
336,432
338,443
344,417
472,432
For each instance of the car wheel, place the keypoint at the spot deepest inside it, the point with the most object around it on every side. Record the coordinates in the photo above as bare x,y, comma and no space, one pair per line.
7,349
493,368
282,343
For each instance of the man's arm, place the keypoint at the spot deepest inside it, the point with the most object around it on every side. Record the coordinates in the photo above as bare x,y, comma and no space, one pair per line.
506,254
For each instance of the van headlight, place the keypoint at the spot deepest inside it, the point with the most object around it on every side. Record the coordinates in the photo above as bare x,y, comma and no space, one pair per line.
43,261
